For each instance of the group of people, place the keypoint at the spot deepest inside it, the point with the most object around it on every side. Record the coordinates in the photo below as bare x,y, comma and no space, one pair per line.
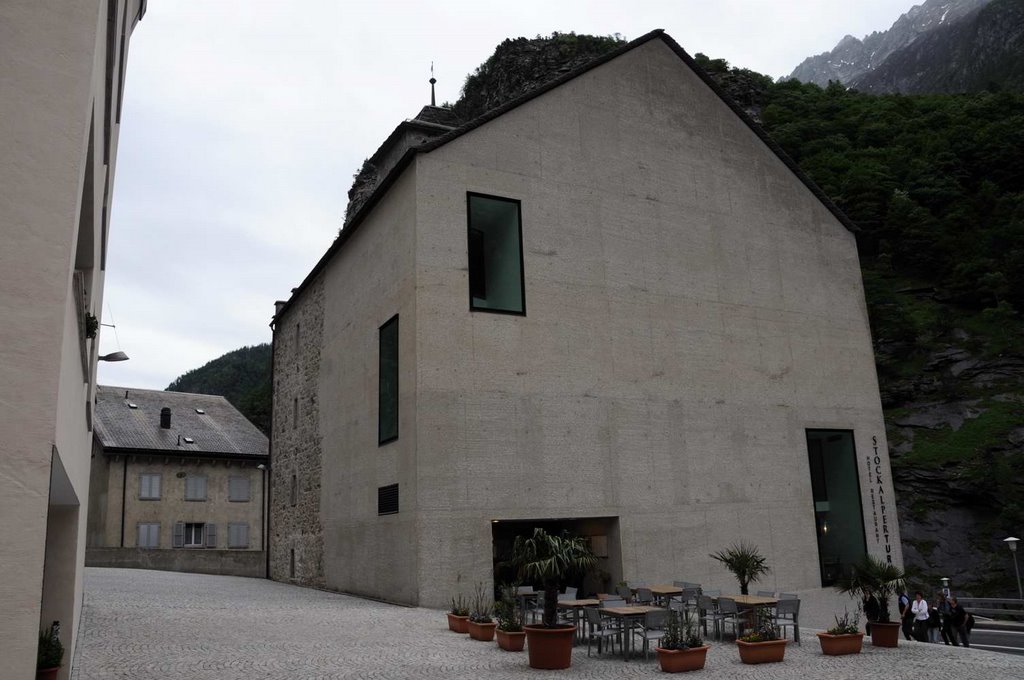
946,619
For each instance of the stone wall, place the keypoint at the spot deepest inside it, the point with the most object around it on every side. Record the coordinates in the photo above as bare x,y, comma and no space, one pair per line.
250,563
296,443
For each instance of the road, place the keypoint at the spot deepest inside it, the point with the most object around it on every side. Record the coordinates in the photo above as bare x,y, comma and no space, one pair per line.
1010,642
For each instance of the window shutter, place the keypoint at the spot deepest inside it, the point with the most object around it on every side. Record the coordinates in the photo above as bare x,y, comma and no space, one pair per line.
238,488
154,535
155,486
179,534
143,536
211,535
201,488
243,536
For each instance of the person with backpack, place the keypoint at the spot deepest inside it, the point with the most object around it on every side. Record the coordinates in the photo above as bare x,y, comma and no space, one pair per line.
906,616
959,619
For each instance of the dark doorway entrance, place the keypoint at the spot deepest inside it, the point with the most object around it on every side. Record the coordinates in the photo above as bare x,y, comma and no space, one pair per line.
603,533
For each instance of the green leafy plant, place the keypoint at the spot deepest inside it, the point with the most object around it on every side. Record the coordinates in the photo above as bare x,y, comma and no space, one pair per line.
92,325
847,625
459,606
51,651
482,606
680,634
764,630
873,575
551,559
745,562
508,612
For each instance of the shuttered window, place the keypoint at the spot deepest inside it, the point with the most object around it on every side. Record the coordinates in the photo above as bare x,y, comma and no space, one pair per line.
387,499
195,488
238,489
238,535
149,535
149,486
195,535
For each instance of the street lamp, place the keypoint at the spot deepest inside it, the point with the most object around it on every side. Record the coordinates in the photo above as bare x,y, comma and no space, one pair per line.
113,356
945,586
1011,542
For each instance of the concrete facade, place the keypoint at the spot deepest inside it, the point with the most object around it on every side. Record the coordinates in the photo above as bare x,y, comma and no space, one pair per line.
60,102
203,437
693,309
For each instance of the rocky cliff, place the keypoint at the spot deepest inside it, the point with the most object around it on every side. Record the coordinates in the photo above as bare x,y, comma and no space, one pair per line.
851,58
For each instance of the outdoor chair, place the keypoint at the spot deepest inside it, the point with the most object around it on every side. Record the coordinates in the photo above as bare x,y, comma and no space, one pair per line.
788,596
766,593
600,629
624,592
569,594
712,592
653,628
644,596
730,613
706,613
787,613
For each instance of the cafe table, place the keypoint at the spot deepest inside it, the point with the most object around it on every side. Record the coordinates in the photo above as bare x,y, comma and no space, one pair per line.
663,593
576,606
628,616
748,603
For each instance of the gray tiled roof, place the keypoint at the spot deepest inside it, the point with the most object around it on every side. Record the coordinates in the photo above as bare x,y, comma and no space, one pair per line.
220,429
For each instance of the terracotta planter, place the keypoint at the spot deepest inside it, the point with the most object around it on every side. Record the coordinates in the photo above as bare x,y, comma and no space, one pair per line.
885,634
482,631
682,660
837,645
550,648
762,652
460,624
511,641
47,673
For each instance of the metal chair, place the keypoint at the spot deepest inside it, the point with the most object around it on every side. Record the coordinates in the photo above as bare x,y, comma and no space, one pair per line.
787,614
711,592
766,593
644,596
624,592
653,628
600,629
569,594
730,613
706,613
788,596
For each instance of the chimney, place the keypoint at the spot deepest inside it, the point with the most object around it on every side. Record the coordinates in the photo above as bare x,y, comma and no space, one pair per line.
165,418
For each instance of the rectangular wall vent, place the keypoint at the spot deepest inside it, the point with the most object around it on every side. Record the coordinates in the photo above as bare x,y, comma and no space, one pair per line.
387,499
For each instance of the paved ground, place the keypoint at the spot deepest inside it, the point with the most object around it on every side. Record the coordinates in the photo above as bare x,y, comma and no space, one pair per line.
154,625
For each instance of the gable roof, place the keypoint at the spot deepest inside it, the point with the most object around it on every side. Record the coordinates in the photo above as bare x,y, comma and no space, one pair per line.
658,34
219,430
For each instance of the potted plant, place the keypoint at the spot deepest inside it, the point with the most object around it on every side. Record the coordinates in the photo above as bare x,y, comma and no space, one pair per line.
875,577
458,615
745,562
763,645
550,559
510,634
481,625
681,648
50,654
842,638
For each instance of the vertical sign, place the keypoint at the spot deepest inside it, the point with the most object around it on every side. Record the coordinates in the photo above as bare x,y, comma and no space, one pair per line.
879,509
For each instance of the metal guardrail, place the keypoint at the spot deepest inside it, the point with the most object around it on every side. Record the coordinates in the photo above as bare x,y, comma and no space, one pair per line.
994,607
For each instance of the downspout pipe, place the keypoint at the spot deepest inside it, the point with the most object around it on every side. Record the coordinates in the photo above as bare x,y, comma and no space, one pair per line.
124,496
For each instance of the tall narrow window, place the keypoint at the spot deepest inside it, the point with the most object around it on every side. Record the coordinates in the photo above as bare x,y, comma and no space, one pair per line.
387,499
387,393
294,491
295,413
495,248
838,513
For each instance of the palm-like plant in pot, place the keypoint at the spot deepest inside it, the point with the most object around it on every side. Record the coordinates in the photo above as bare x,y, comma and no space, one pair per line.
550,559
873,576
745,562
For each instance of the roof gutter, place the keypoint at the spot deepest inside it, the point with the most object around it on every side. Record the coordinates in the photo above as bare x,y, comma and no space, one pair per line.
211,455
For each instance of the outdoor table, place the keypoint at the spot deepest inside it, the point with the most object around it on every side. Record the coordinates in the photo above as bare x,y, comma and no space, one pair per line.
629,616
576,606
663,593
748,603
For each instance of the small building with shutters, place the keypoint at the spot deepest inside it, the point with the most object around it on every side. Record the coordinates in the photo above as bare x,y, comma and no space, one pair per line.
177,483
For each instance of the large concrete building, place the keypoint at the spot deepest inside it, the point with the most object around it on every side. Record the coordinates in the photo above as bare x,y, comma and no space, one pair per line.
61,88
178,483
611,306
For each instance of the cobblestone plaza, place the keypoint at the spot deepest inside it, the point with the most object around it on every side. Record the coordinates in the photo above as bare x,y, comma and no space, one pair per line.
162,626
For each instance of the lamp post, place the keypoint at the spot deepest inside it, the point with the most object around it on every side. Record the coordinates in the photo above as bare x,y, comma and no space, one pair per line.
945,586
1011,542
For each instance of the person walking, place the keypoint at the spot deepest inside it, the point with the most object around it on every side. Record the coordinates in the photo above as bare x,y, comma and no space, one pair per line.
919,609
958,618
872,610
934,623
945,624
906,616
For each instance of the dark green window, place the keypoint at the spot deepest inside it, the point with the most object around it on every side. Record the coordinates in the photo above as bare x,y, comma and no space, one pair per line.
495,248
387,414
838,512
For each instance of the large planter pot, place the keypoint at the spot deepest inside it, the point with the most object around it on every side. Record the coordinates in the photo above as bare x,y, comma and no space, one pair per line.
511,641
482,631
837,645
550,648
682,660
762,652
885,634
47,673
460,624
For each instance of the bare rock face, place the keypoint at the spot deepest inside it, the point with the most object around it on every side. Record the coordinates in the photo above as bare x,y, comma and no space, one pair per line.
851,58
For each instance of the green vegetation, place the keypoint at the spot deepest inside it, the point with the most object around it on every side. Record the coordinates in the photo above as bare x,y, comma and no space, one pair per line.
977,436
242,377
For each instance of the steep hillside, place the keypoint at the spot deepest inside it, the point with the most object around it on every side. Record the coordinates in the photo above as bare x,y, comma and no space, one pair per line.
241,376
852,58
984,50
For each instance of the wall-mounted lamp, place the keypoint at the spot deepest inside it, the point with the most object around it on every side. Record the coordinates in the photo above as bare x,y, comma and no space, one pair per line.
113,356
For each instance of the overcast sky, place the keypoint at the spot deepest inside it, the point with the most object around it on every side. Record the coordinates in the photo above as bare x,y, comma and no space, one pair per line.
244,122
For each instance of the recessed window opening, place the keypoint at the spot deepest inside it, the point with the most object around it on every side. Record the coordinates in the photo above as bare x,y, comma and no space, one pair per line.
194,535
291,564
149,486
295,412
387,499
294,490
495,249
387,389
